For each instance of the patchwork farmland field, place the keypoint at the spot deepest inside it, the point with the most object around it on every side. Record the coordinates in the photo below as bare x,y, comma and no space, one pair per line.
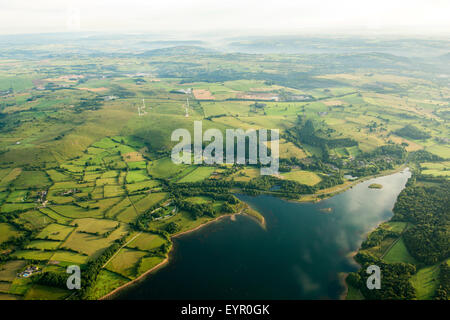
303,177
86,175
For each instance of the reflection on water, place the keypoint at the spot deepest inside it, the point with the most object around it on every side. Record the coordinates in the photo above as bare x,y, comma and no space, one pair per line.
299,256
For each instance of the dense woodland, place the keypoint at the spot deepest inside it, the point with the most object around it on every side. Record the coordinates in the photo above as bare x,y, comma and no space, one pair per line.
424,205
382,158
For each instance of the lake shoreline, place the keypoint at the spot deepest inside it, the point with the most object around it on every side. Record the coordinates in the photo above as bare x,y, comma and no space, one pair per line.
167,259
352,254
342,276
342,280
349,186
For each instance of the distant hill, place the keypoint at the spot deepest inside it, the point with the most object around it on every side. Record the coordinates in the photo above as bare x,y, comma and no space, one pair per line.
172,43
178,50
339,45
445,57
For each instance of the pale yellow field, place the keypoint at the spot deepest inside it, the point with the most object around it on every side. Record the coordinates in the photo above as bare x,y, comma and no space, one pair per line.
288,150
412,146
303,177
246,174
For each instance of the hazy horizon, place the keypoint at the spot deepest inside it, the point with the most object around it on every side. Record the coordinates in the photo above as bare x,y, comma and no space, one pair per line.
324,17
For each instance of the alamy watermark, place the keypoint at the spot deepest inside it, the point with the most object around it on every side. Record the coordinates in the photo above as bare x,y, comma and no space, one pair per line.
236,147
74,280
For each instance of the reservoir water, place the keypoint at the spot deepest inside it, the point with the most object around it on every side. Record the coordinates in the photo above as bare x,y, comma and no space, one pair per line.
300,255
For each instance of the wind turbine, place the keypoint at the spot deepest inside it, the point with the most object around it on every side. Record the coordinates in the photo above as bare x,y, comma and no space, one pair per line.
143,106
141,110
187,107
187,113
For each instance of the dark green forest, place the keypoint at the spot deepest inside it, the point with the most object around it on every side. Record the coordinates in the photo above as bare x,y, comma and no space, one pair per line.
424,205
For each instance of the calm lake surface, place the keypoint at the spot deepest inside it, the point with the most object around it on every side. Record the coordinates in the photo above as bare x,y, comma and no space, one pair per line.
299,256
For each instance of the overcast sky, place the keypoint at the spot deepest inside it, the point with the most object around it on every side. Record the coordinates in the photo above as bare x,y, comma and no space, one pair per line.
245,16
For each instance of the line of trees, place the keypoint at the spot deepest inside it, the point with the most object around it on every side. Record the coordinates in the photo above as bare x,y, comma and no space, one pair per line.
428,208
443,292
396,283
90,271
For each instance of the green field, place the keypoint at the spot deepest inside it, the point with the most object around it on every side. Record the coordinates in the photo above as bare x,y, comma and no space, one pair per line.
246,174
17,196
139,186
149,201
10,177
13,207
198,174
69,257
137,176
119,207
164,168
43,245
91,244
399,253
127,215
55,216
32,179
85,163
146,241
90,225
57,176
353,293
38,292
125,263
396,226
303,177
425,281
148,262
106,282
436,168
9,270
32,255
34,219
113,191
7,232
55,232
